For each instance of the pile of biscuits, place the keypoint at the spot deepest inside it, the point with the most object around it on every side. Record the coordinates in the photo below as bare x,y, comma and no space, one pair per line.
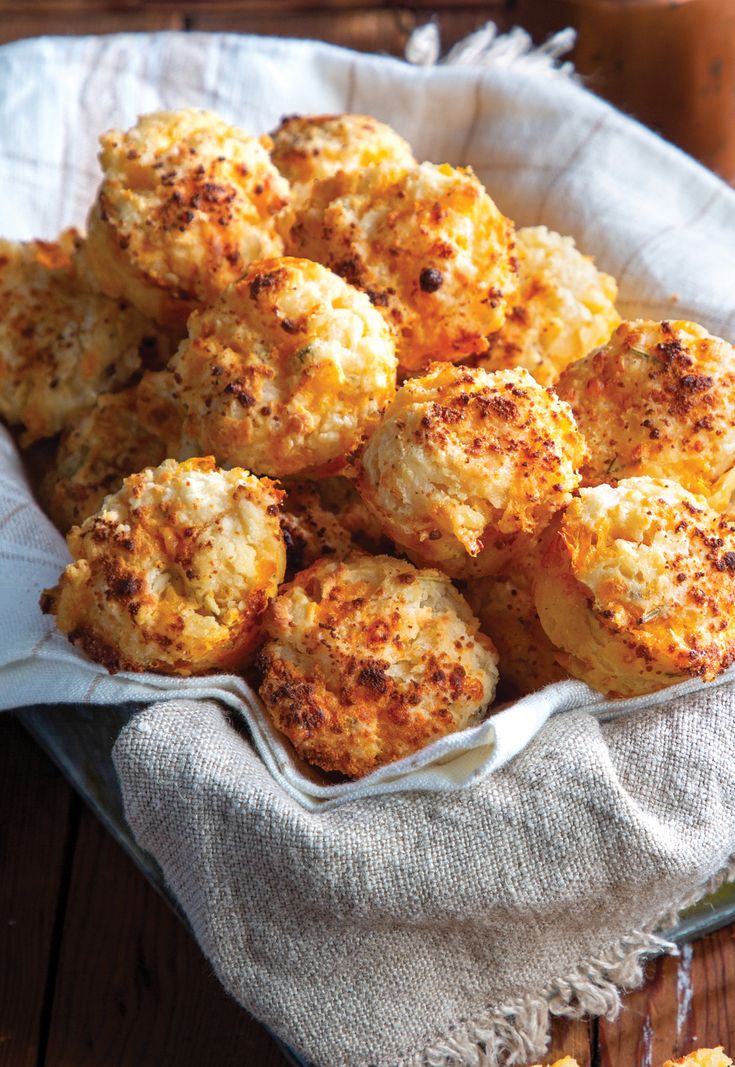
317,413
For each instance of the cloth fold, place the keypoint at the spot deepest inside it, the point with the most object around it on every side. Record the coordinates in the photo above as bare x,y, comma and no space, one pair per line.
437,912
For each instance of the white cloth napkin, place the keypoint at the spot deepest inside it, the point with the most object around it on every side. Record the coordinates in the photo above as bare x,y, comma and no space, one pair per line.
548,152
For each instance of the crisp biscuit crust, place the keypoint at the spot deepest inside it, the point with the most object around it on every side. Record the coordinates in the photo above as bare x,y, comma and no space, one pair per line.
288,372
507,613
310,531
186,203
158,409
466,463
94,456
637,587
309,148
427,244
659,401
702,1057
339,496
567,1061
564,309
370,660
175,571
61,343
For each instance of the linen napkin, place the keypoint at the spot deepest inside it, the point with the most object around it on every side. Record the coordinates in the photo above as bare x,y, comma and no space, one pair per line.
435,912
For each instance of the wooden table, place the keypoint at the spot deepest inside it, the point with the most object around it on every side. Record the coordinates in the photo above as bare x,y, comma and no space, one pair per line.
370,25
95,970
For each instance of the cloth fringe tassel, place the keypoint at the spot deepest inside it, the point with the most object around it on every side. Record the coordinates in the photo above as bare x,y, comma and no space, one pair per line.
517,1033
488,48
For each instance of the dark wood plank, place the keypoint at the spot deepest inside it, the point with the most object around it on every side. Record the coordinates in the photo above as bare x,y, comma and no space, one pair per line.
132,988
226,8
686,1003
378,27
570,1038
34,821
369,30
28,23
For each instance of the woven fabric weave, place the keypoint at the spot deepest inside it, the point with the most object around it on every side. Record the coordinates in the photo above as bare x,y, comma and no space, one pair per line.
437,928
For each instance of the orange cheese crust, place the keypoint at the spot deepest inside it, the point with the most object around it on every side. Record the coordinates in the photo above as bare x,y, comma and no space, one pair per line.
465,464
310,531
369,660
287,373
94,456
505,606
61,343
702,1057
564,308
427,244
310,148
187,201
637,587
175,571
658,400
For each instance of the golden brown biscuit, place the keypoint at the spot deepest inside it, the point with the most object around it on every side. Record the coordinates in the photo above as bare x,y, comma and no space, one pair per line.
658,400
428,246
175,571
310,531
370,660
61,343
186,203
466,463
702,1057
94,456
637,587
309,148
339,496
507,613
288,372
159,410
567,1061
565,307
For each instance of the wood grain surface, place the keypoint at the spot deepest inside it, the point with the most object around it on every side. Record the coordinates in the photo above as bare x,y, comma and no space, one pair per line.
367,28
95,970
379,27
37,814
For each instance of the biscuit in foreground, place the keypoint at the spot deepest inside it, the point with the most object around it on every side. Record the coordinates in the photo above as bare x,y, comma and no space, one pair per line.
287,373
187,201
175,571
427,244
466,464
637,587
62,344
370,660
659,401
564,309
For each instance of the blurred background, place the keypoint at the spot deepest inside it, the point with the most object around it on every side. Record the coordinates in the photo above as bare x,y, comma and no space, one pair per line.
671,63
